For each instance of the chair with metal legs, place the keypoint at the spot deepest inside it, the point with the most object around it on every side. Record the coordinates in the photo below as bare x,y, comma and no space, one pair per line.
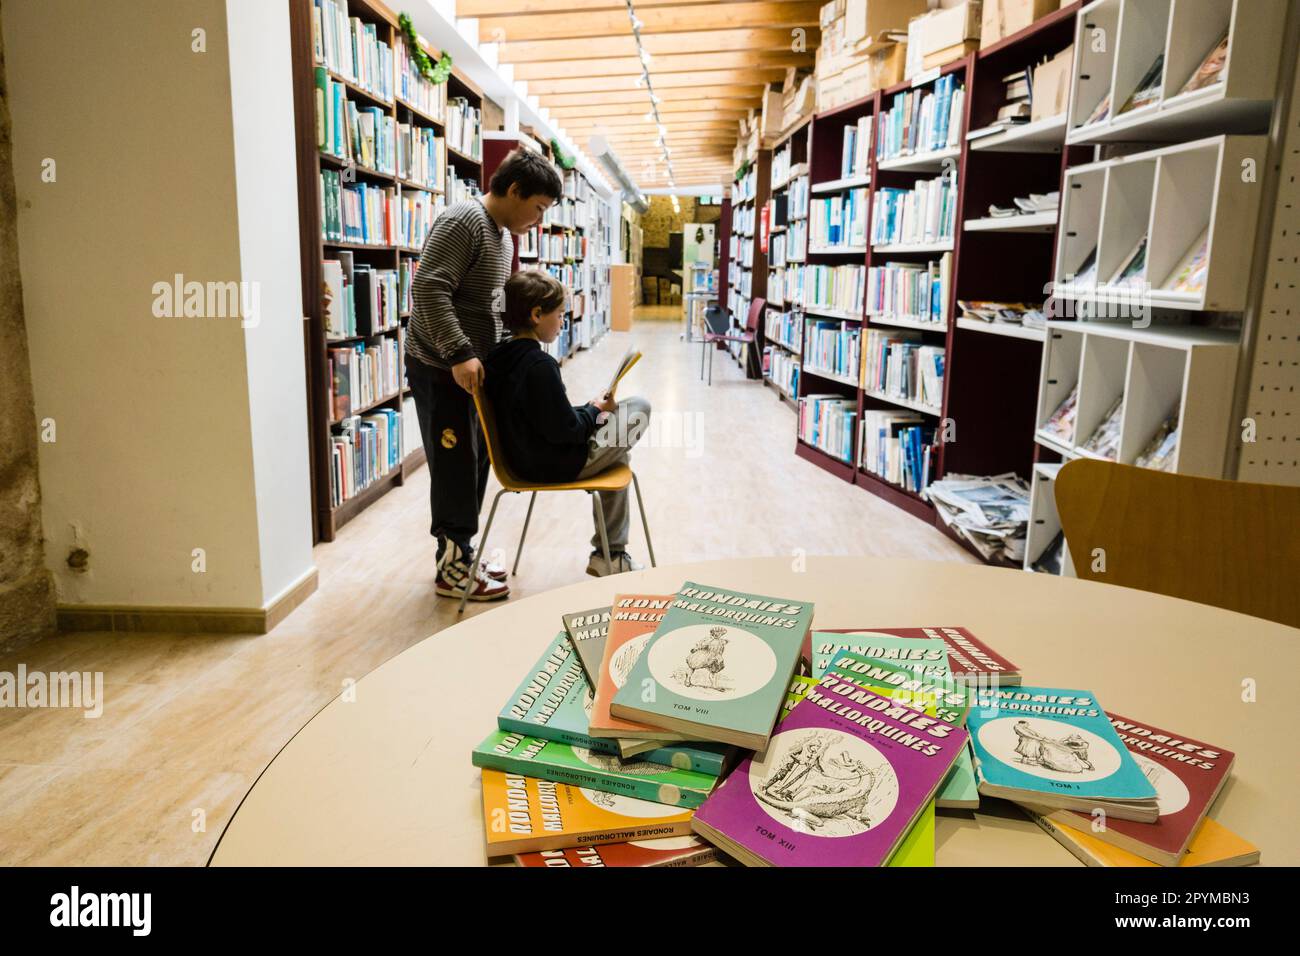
615,478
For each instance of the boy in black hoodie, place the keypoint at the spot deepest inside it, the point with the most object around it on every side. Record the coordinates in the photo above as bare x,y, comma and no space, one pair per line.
544,437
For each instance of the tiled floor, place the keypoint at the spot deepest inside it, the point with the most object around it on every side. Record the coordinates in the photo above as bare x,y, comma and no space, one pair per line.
191,719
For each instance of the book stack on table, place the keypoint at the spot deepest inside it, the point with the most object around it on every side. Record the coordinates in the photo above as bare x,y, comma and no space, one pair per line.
714,725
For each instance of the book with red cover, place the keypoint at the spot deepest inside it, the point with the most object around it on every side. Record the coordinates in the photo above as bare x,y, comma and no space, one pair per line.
968,656
1187,774
674,851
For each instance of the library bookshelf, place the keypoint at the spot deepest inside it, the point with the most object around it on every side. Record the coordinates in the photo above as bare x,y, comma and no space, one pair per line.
380,152
1170,175
743,278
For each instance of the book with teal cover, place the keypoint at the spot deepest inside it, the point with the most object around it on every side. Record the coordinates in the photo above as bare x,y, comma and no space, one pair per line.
580,767
718,665
554,702
936,696
930,654
1056,748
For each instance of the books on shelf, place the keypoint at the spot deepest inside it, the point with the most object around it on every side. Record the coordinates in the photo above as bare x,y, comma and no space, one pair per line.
717,666
459,189
362,374
1190,273
832,347
991,514
1211,69
421,156
896,446
523,814
785,328
842,783
669,852
411,440
1056,748
921,120
855,155
927,213
360,134
357,212
783,369
361,300
910,291
1133,268
826,422
465,127
362,451
797,200
1003,313
1060,424
839,220
837,288
414,90
351,48
1158,454
1188,776
1104,441
897,365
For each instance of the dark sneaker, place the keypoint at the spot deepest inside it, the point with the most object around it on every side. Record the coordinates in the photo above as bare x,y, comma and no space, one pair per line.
621,561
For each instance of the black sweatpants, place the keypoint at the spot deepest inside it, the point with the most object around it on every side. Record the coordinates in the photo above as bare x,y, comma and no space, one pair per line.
457,453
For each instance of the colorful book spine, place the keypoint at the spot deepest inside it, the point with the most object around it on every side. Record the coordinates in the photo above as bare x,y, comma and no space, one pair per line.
579,767
670,852
523,814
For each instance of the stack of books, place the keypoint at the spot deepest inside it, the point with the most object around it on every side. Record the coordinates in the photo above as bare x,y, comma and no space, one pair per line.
716,725
921,121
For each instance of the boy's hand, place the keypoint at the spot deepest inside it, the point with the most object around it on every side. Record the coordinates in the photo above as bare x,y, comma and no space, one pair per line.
605,403
468,374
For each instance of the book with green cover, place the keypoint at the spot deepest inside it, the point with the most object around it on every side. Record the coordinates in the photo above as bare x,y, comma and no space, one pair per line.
936,696
917,848
588,630
718,666
580,767
554,702
930,654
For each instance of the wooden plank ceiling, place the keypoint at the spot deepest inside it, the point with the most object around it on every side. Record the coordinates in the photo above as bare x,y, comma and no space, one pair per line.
709,64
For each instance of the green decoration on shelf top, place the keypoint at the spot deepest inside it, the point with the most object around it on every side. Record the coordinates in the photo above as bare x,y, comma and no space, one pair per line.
433,72
743,170
562,159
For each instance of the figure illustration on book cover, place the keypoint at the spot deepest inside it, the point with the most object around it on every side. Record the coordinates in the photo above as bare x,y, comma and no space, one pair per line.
706,662
625,658
711,662
1049,748
824,782
611,764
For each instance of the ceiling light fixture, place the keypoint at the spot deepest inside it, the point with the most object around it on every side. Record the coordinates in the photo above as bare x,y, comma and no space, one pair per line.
644,81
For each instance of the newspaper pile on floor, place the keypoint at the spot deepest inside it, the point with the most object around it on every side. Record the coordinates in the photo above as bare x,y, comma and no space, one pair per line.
991,513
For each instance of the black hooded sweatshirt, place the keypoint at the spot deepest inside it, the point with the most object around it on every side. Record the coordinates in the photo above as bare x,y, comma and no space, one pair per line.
544,437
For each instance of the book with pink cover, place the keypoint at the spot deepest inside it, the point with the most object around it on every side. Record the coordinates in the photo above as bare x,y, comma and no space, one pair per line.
841,783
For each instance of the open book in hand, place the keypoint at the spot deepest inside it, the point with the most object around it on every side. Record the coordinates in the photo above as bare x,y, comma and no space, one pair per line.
631,358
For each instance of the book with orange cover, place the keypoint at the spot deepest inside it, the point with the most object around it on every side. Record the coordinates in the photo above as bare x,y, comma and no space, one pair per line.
632,622
1213,845
524,814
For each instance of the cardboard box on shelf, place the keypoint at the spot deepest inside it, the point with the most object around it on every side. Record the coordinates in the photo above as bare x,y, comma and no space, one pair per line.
1001,18
800,104
830,12
950,27
1051,86
866,22
887,65
948,54
770,122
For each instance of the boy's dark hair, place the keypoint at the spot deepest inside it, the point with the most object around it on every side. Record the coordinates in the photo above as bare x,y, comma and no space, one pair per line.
532,171
528,289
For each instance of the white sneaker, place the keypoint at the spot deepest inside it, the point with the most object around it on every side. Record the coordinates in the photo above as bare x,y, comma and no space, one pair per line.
621,561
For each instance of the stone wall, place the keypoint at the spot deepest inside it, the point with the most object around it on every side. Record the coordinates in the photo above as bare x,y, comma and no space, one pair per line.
26,591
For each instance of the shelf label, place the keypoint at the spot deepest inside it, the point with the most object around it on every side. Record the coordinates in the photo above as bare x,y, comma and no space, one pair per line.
929,76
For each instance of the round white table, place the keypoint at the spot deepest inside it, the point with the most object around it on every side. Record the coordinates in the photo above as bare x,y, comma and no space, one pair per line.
387,778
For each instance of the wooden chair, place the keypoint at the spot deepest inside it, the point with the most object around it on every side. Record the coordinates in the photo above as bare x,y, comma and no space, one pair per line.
611,479
1231,544
716,330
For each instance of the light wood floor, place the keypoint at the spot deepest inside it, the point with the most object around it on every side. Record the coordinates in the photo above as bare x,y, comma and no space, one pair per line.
190,720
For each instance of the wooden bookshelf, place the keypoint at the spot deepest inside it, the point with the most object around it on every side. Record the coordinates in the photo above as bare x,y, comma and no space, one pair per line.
306,30
787,249
746,274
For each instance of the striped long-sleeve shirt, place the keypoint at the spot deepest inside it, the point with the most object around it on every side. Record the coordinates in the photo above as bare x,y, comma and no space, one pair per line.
457,292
